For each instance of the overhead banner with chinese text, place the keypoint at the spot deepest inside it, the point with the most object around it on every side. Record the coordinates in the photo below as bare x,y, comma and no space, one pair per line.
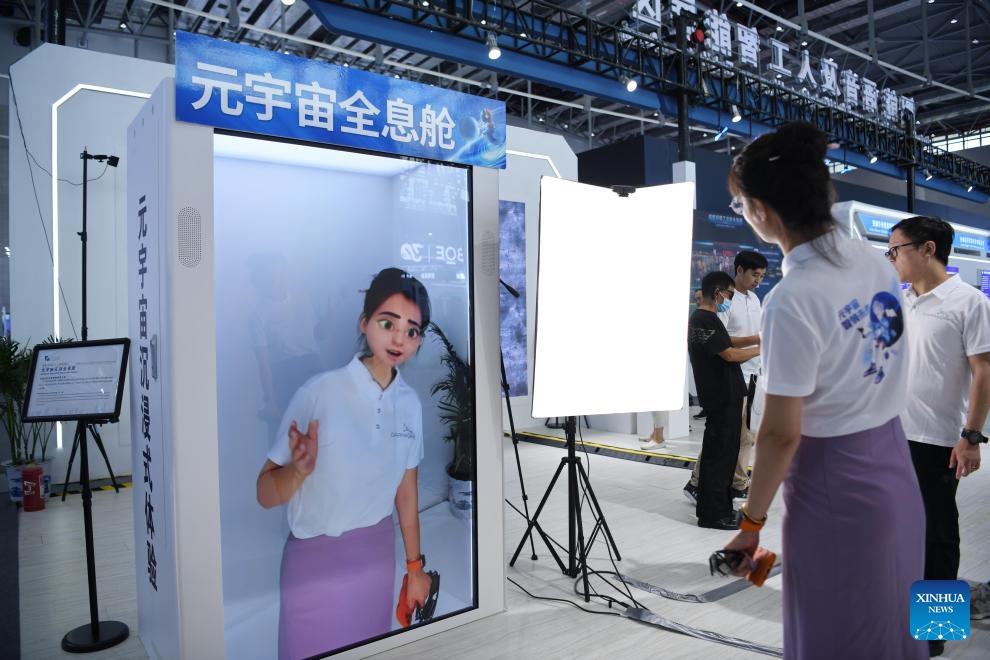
241,88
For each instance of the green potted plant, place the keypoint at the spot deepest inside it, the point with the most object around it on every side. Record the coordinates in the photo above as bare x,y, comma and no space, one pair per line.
456,403
15,362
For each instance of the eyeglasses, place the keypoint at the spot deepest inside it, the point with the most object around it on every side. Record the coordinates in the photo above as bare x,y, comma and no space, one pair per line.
892,252
736,205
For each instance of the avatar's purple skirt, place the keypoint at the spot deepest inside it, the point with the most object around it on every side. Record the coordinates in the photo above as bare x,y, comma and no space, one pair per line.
336,590
853,543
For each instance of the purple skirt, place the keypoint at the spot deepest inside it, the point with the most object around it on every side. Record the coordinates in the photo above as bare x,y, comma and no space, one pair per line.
853,543
336,590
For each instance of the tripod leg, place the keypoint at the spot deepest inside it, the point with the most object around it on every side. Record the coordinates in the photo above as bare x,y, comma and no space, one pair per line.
106,459
580,547
68,469
599,514
515,448
533,523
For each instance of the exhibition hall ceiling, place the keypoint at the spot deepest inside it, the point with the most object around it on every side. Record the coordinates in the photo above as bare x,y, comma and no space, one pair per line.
937,52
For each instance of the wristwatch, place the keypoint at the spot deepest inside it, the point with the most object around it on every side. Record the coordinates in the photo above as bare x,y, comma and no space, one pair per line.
416,564
973,436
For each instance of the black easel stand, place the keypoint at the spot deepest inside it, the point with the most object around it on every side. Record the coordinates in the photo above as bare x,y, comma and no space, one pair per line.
72,456
577,549
83,237
97,635
512,430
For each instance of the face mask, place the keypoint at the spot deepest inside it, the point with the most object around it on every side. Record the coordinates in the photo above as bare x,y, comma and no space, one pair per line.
724,306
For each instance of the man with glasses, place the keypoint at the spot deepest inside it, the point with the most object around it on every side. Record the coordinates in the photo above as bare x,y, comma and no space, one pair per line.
948,334
742,322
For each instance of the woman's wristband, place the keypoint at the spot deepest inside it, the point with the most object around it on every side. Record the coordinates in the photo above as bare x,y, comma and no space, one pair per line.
415,564
749,524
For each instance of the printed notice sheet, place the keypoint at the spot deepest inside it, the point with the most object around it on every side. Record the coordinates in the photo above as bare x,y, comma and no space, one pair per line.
76,381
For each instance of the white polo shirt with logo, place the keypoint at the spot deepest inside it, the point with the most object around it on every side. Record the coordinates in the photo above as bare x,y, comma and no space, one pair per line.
949,324
833,335
368,438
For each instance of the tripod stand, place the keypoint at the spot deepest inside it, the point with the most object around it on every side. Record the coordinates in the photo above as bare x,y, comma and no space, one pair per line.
83,237
577,549
512,430
98,634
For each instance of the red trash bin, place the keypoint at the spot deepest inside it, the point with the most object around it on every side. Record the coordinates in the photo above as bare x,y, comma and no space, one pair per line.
31,479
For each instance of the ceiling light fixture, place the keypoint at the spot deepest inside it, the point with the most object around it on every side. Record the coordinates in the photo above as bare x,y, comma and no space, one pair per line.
872,156
494,52
736,117
953,21
629,83
970,188
928,175
289,3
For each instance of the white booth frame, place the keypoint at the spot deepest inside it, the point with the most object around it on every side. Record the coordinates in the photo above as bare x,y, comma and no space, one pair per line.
181,157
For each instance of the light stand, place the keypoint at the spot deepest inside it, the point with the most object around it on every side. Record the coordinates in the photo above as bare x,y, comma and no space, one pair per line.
97,635
512,430
577,549
83,237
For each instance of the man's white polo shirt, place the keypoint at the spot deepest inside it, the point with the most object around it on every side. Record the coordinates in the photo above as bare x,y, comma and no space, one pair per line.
743,320
946,326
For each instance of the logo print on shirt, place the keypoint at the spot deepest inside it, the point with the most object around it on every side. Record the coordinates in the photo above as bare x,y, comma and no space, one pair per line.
406,432
881,324
699,335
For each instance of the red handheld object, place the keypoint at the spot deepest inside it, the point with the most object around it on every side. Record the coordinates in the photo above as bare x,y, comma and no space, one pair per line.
760,565
403,613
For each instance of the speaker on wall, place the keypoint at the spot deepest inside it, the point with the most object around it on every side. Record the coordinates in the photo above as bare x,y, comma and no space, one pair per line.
190,227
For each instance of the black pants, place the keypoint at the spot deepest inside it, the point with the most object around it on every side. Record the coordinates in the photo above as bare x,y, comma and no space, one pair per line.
719,452
938,491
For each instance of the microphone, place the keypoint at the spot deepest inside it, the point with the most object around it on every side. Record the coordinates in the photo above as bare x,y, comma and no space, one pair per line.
512,292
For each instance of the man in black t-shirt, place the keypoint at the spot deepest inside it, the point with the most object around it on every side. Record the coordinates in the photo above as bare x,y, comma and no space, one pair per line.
721,390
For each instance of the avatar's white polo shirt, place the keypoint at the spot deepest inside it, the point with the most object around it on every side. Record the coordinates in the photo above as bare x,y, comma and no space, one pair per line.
368,438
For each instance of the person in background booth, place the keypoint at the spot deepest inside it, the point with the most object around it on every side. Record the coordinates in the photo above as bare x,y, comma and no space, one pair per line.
356,460
721,389
852,534
742,322
949,382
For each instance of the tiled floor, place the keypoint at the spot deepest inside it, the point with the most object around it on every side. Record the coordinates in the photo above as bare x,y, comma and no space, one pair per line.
653,527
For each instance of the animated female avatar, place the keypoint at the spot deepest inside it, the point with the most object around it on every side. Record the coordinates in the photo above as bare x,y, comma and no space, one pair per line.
886,327
356,462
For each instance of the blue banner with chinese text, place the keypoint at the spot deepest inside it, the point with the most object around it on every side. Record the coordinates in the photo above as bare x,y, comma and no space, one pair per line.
241,88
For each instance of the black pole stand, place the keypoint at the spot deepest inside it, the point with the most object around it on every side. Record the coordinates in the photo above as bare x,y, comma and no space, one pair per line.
83,237
97,635
512,431
577,549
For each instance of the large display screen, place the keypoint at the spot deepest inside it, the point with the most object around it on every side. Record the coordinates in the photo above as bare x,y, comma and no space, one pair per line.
328,264
985,282
512,309
718,237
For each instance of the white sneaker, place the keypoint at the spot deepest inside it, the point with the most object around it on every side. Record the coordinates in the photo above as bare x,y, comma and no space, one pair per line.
650,443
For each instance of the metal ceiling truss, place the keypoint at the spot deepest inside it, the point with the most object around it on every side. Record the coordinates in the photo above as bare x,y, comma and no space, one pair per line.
545,42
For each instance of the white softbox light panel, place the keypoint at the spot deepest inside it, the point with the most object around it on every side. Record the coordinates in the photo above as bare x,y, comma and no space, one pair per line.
612,299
